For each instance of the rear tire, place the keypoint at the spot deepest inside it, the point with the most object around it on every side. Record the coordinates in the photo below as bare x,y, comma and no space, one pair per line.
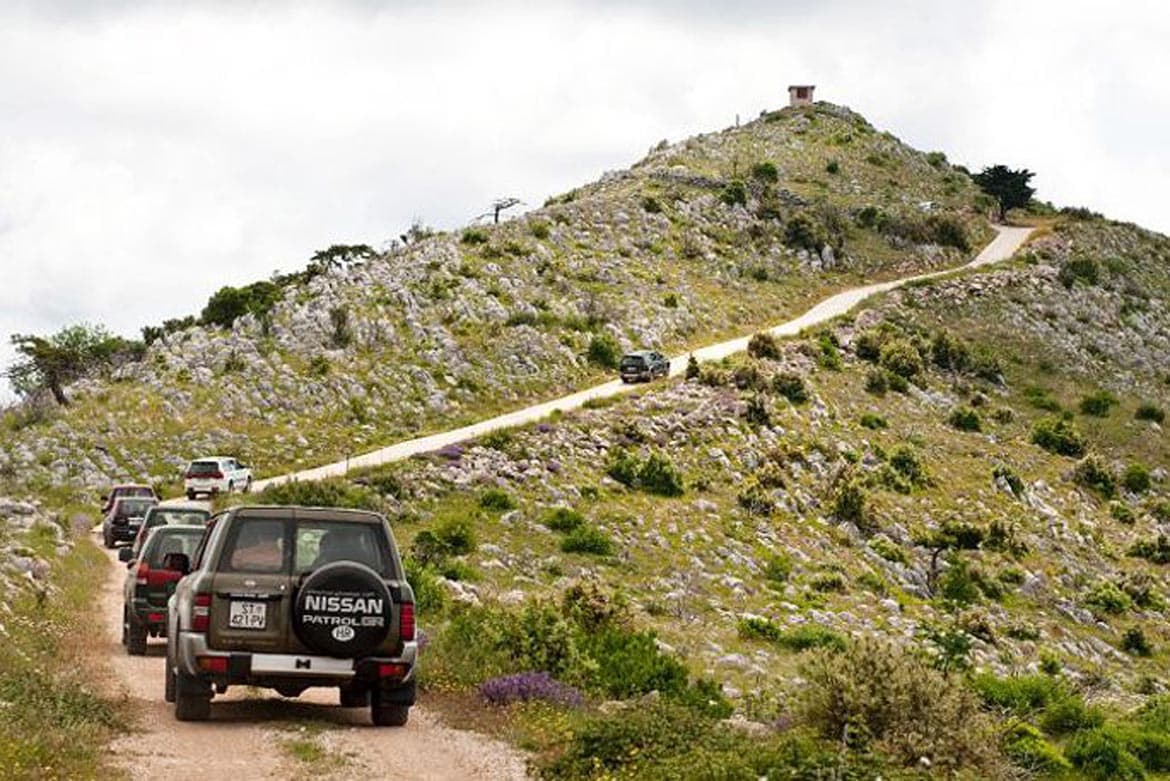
108,539
190,496
248,486
169,691
192,698
387,714
231,486
135,637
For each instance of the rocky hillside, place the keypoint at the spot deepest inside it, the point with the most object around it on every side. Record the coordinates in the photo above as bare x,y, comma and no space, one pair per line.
830,481
973,469
715,235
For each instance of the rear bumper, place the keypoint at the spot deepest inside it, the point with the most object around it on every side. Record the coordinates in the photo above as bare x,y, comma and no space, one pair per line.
153,617
271,670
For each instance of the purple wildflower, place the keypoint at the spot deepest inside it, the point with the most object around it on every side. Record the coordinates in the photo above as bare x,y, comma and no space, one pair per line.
523,687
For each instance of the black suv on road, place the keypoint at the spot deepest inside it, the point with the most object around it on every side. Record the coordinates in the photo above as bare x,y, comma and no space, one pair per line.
124,518
288,598
644,365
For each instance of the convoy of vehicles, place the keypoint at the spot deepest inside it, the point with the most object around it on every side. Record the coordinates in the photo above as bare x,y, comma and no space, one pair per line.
126,489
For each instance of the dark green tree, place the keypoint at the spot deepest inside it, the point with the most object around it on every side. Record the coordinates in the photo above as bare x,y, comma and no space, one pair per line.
341,255
1009,188
50,363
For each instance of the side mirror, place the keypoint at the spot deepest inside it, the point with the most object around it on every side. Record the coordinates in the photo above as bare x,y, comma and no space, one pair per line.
177,562
125,554
105,497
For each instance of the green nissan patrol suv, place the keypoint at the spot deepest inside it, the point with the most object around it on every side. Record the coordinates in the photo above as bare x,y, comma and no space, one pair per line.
288,598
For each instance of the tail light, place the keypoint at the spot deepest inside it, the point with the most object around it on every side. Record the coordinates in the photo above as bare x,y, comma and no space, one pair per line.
205,475
201,613
142,578
406,621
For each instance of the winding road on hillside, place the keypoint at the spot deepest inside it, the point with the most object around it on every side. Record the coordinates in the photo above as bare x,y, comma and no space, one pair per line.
256,734
1002,247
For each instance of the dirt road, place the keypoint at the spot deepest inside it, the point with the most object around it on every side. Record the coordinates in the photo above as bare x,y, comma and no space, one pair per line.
256,734
1003,246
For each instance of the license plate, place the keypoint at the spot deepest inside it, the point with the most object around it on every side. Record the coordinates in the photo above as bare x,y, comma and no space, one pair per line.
248,615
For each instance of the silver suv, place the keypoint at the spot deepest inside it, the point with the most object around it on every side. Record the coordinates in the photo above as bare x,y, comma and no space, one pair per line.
288,598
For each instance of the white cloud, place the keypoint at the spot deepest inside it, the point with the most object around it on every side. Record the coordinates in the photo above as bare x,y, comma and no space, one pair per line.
152,153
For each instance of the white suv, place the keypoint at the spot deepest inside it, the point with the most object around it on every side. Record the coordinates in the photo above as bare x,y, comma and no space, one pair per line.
216,474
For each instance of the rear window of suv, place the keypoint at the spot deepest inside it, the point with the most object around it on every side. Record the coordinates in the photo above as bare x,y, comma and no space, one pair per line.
133,508
633,362
203,468
164,541
273,546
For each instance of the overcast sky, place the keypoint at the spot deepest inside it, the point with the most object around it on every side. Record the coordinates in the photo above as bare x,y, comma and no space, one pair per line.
153,152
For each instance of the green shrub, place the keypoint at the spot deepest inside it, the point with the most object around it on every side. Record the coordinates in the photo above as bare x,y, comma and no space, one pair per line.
604,351
800,638
959,584
851,504
900,357
802,233
539,229
332,492
791,386
1160,511
1134,642
1106,597
965,419
876,382
651,205
764,345
872,421
670,301
756,412
693,371
1155,551
474,236
1101,756
563,519
880,693
429,596
1136,478
1098,404
1059,436
497,500
1122,513
734,193
766,172
624,467
777,569
1149,411
1028,749
342,334
587,539
319,366
1041,398
889,550
658,475
832,167
630,664
905,460
1084,270
539,639
1090,472
830,355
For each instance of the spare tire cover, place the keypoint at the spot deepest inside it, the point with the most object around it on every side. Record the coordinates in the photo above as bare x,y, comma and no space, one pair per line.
342,609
